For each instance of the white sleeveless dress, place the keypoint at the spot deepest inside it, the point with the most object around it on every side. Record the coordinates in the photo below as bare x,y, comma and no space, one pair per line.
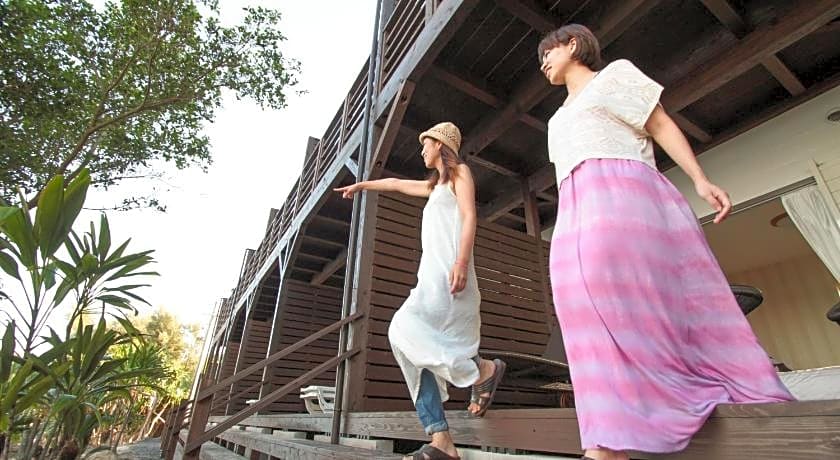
434,329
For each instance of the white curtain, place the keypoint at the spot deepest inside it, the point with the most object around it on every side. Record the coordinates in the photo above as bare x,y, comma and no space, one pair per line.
809,211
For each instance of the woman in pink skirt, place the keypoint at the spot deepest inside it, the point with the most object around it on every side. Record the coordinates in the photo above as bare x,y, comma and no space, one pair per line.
654,337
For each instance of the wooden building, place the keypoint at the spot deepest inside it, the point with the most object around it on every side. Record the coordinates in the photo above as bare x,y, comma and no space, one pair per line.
754,84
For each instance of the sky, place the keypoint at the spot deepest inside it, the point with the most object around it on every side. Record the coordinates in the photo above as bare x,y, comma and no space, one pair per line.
213,217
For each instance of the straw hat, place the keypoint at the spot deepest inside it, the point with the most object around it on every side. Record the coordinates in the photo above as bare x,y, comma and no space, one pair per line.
445,132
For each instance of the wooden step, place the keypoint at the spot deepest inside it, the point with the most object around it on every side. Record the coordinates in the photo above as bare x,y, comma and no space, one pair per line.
300,449
778,431
210,451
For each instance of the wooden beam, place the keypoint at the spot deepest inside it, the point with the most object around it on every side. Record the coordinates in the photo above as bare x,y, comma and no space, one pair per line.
302,269
774,111
511,197
389,132
330,268
482,94
513,217
436,34
733,21
331,220
532,213
783,75
619,18
691,128
352,166
487,164
530,14
765,41
534,89
727,15
323,241
470,88
313,257
489,128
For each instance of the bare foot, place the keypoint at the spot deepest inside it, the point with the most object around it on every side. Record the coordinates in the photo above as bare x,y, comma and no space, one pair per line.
485,371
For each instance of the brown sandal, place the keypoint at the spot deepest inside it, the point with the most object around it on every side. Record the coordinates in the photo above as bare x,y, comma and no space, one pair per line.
430,452
487,386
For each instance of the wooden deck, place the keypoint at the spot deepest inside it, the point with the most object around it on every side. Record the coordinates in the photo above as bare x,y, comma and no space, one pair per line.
787,431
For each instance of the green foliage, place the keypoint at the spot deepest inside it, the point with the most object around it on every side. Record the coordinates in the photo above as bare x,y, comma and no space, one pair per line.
21,386
95,274
118,89
98,375
179,346
62,387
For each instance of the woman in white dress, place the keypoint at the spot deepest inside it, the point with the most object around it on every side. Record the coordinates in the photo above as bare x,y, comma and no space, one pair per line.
435,334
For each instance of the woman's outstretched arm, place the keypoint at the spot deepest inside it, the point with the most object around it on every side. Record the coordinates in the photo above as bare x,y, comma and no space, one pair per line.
667,134
408,187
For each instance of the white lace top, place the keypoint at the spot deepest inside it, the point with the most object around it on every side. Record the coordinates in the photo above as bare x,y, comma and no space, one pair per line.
606,120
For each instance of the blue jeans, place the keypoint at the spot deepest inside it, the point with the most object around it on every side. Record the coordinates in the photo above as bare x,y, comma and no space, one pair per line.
429,406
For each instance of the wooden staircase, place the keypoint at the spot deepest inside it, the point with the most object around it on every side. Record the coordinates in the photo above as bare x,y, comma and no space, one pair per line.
249,445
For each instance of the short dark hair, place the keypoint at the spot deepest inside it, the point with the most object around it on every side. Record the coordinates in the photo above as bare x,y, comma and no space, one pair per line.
588,51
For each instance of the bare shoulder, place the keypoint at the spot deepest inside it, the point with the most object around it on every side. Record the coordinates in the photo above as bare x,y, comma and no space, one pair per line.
464,170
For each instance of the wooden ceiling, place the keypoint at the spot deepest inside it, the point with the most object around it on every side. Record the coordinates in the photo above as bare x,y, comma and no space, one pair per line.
727,66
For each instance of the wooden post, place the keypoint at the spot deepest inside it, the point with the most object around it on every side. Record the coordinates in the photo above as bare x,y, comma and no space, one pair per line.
166,436
354,386
532,215
175,431
199,416
354,243
343,123
534,228
430,10
319,160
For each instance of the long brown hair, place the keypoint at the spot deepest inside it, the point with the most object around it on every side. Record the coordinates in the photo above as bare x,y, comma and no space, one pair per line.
450,160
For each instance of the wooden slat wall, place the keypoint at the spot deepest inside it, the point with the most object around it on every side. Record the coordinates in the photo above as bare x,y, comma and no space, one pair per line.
256,343
513,311
228,366
791,323
306,310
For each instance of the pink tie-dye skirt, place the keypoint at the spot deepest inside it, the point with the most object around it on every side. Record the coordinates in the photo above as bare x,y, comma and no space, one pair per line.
654,337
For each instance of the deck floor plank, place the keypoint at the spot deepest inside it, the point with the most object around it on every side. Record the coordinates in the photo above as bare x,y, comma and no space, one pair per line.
768,431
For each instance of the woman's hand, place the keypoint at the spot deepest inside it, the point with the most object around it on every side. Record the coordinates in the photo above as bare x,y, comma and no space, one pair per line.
716,197
458,278
348,191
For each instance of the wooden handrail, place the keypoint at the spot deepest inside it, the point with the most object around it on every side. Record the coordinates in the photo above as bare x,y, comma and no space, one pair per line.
259,365
195,440
228,397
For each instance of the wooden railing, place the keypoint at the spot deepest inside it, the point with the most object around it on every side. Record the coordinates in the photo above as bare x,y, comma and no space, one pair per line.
196,413
324,154
175,422
399,34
